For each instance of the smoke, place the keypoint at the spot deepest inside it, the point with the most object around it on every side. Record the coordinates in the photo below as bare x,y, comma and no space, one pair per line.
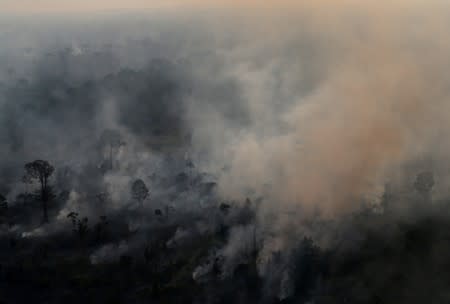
311,106
308,109
334,103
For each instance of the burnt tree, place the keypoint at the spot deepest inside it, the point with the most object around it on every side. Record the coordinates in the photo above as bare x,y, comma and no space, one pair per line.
139,191
40,170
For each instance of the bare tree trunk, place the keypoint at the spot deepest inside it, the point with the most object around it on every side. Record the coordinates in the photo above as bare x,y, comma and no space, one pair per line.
44,199
44,205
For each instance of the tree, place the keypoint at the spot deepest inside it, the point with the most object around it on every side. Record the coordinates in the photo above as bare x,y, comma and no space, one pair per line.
139,191
41,171
79,226
73,217
3,203
111,139
3,207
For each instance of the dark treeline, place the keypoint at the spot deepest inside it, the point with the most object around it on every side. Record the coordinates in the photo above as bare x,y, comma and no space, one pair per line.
149,251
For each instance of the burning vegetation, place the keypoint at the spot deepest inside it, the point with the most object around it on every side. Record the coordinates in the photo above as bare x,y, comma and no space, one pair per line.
227,158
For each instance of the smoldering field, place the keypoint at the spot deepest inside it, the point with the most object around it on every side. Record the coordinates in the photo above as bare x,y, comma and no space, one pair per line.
295,152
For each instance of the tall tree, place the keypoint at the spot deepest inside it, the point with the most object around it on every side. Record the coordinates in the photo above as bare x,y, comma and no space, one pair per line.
40,170
111,140
139,191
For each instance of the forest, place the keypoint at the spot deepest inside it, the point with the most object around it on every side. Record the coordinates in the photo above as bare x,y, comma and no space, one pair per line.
226,157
